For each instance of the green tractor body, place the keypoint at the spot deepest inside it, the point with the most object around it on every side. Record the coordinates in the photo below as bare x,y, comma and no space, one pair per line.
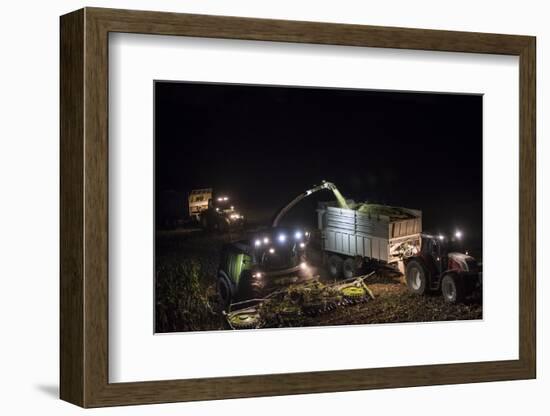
255,267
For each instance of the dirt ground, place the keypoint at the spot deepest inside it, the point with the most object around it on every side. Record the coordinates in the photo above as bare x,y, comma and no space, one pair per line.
185,288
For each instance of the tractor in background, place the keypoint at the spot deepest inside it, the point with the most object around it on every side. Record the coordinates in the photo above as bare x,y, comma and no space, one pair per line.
214,213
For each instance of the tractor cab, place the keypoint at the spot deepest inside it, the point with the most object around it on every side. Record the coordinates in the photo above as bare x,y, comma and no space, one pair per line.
434,250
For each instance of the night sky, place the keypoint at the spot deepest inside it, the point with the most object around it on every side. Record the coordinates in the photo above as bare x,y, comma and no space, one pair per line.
263,145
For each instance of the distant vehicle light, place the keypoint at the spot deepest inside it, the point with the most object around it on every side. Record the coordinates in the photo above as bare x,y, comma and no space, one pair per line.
282,238
220,199
302,245
441,237
257,275
271,250
458,234
298,235
232,207
225,198
307,233
266,240
303,265
257,243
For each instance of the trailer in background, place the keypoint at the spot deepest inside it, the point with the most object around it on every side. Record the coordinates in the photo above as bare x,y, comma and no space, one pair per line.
367,232
198,202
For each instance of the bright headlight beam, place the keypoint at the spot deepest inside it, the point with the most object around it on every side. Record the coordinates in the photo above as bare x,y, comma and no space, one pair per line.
282,238
298,235
257,243
458,234
271,250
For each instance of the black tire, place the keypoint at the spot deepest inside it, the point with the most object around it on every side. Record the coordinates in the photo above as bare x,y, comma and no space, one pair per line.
417,277
335,264
225,291
349,268
452,288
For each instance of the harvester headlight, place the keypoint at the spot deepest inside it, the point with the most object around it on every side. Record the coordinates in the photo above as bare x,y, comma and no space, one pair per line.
307,233
271,250
303,265
225,198
257,275
302,245
298,235
257,243
458,234
282,238
441,237
266,240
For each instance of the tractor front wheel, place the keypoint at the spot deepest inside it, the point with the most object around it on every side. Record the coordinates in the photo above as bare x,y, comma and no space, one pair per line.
225,292
452,288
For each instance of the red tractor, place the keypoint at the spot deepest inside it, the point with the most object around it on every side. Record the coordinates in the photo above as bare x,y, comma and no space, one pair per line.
438,267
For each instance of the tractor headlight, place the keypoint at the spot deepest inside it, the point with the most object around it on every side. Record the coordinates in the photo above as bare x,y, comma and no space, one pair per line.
282,238
257,243
298,235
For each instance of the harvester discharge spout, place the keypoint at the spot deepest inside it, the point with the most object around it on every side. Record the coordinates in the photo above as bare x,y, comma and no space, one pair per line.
324,185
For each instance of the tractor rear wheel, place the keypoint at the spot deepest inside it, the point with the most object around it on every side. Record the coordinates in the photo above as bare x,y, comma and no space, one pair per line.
335,266
452,288
417,277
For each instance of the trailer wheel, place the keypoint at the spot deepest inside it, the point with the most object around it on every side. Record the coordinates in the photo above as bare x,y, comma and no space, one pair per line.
335,266
452,288
417,277
349,268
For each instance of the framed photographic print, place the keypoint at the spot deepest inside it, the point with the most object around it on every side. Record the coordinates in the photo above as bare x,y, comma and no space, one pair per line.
261,207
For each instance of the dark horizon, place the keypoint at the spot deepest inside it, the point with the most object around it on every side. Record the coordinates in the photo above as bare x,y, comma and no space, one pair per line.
263,145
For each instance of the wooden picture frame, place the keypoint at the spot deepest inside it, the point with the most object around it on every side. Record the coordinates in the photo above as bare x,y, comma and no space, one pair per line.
84,207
